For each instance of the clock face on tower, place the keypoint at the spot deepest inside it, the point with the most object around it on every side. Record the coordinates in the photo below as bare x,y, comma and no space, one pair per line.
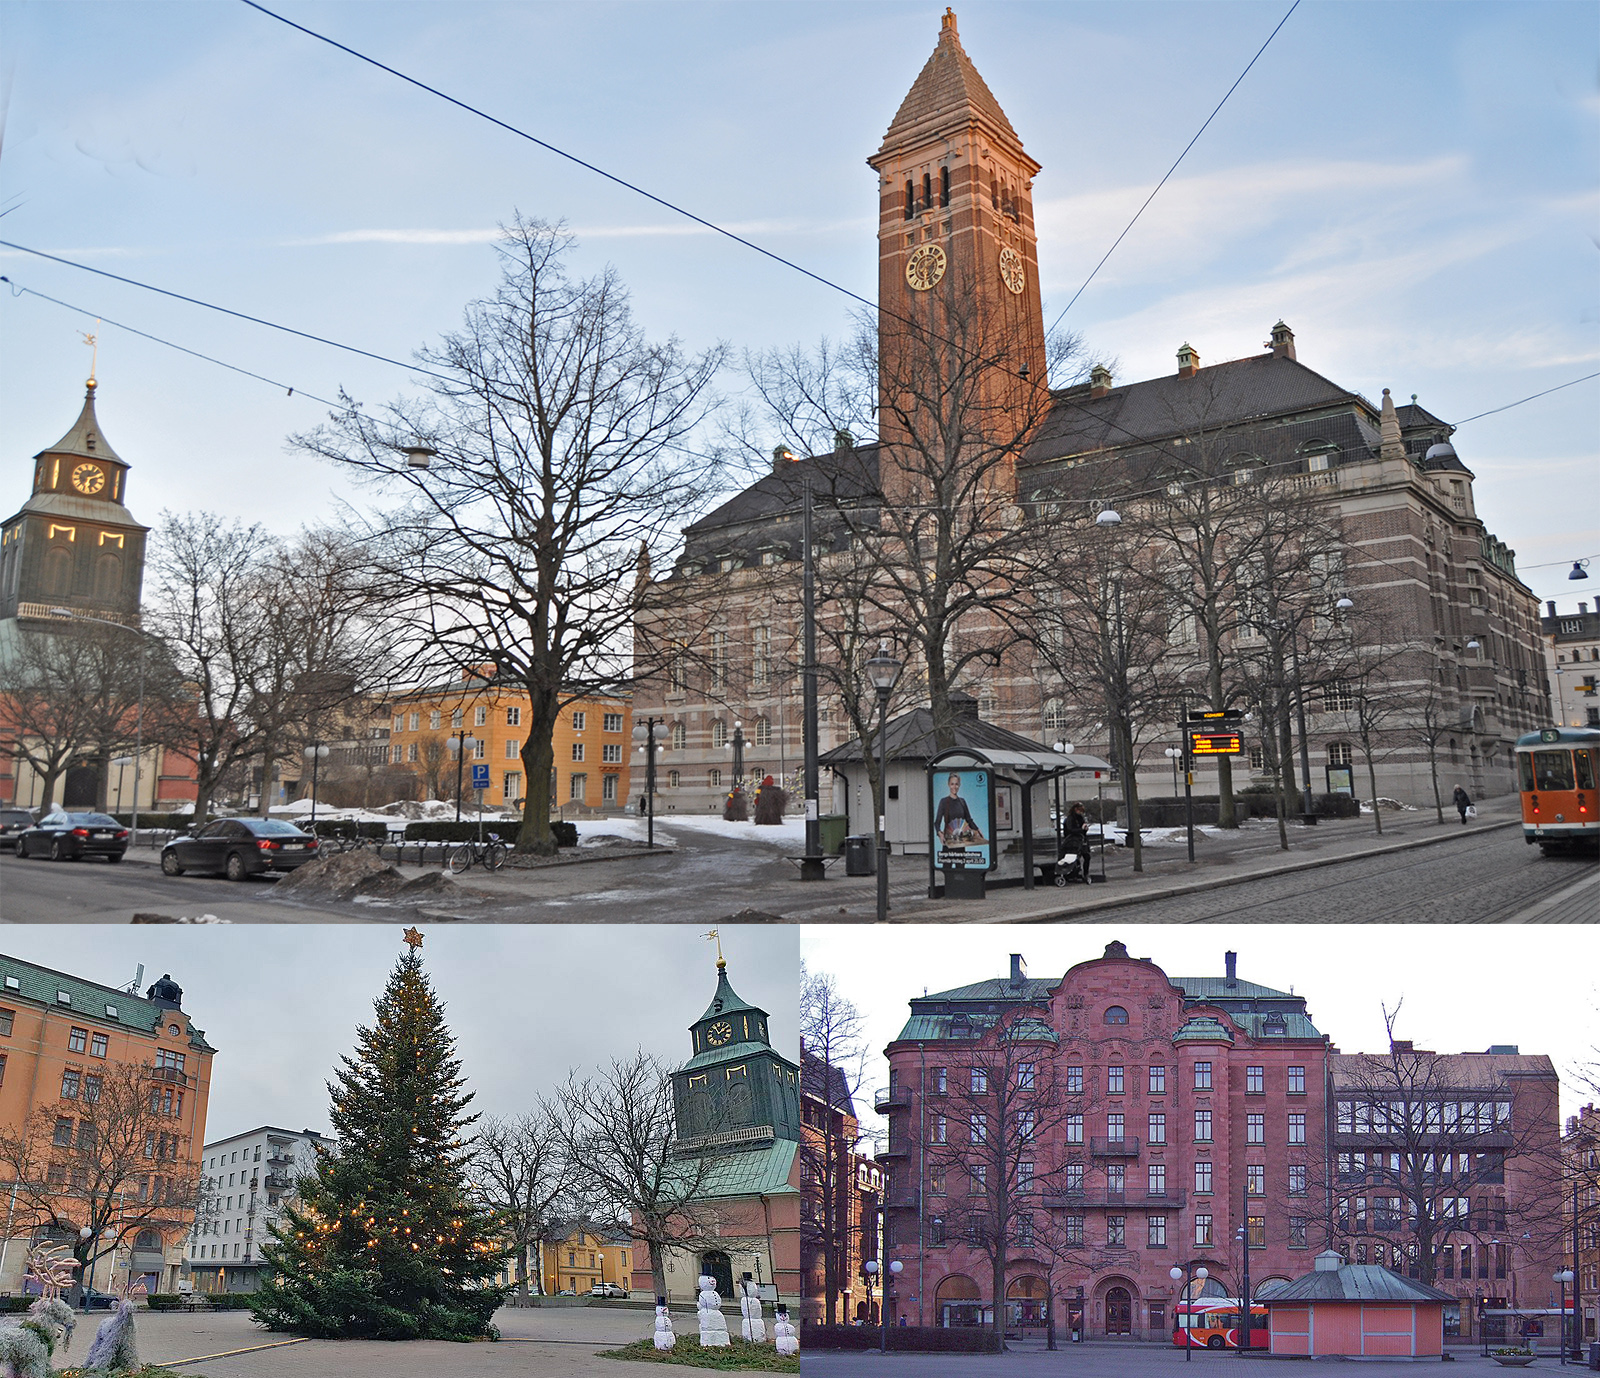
1012,269
719,1033
88,478
925,267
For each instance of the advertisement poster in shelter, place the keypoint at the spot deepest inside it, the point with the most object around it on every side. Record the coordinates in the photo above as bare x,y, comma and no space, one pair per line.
961,820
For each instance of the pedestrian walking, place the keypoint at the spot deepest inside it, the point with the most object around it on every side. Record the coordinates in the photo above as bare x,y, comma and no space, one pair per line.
1463,802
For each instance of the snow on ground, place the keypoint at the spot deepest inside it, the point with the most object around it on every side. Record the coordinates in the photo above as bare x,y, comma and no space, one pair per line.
790,833
593,831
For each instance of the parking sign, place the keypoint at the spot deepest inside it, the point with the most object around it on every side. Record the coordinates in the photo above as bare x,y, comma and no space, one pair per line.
480,777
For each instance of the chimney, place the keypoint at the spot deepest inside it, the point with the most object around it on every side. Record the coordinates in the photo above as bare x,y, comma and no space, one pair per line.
1282,341
963,705
1099,381
1328,1262
1552,606
1188,361
1583,608
1019,969
1231,962
1400,1045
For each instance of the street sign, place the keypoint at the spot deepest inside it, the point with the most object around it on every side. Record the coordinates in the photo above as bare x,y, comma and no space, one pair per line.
1215,744
1224,715
480,777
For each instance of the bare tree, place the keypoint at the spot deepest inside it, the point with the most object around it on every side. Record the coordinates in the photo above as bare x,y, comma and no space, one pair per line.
517,1172
71,693
1008,1099
114,1157
833,1055
622,1147
1423,1157
560,439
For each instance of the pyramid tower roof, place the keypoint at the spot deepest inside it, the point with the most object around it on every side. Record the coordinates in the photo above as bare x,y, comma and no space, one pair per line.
947,92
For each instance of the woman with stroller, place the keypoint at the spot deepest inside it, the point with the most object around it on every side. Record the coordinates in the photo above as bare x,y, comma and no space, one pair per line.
1077,840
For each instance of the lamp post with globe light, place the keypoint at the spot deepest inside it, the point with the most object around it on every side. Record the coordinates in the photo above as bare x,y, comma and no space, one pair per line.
883,670
459,748
644,734
315,753
1189,1277
1565,1276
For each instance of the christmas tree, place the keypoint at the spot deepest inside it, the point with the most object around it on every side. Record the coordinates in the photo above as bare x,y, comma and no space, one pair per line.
384,1241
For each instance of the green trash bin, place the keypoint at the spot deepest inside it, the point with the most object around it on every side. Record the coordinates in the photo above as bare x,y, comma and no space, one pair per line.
834,828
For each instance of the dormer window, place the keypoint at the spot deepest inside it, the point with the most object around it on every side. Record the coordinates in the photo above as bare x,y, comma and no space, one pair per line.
64,997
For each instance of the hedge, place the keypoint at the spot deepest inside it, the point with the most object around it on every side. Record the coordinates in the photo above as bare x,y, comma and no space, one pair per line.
344,827
926,1339
230,1301
176,822
566,834
8,1304
165,1301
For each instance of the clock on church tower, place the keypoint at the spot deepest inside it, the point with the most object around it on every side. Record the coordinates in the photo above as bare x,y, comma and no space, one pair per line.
737,1091
73,544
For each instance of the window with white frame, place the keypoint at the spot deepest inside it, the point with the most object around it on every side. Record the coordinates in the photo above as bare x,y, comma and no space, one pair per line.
414,721
719,660
1339,753
577,751
513,748
480,716
455,719
760,656
511,786
611,753
580,720
513,717
608,788
719,733
611,722
763,732
434,720
579,789
680,736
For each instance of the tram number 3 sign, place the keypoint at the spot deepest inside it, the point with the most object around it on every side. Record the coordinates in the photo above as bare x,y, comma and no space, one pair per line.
1215,744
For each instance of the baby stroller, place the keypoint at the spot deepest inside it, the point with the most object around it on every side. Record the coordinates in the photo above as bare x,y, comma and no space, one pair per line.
1074,862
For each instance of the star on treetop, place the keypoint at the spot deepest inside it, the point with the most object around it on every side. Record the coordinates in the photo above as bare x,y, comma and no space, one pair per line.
413,939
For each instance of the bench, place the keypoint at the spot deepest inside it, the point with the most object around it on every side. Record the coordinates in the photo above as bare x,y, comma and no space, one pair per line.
825,859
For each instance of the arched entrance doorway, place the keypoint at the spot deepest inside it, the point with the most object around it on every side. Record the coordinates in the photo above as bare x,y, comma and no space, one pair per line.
78,789
957,1303
1027,1304
1119,1311
718,1265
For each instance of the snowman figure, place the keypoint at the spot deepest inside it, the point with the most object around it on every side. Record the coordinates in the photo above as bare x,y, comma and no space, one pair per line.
713,1329
783,1331
751,1325
664,1338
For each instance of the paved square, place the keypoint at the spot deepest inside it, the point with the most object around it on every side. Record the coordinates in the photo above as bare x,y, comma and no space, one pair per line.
536,1341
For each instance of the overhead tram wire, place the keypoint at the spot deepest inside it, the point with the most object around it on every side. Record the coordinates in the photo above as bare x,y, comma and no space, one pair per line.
182,349
1192,142
227,311
1508,406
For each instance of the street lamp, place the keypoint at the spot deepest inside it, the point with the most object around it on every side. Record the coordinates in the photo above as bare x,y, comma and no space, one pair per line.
121,763
1065,748
1174,755
314,753
1109,517
463,744
418,456
1201,1273
883,670
1564,1277
138,717
645,734
895,1269
735,744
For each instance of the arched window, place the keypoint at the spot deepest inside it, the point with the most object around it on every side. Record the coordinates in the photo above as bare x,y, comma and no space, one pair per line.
680,736
944,186
719,733
763,731
1055,719
911,199
58,570
108,578
1115,1014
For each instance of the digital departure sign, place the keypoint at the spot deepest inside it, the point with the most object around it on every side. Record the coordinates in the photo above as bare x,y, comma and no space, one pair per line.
1215,744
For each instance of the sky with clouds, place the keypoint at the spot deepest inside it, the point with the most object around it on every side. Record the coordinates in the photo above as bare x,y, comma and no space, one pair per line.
526,1003
1458,989
1411,186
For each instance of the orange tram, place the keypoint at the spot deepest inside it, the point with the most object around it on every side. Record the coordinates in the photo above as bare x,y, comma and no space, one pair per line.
1556,769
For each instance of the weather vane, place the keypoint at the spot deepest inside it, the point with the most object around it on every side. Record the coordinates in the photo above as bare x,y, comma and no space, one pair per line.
716,937
93,341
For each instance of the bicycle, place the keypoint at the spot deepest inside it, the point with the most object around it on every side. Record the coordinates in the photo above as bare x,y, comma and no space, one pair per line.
490,854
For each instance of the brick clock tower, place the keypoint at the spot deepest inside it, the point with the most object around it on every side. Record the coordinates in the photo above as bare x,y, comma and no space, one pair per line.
73,544
958,261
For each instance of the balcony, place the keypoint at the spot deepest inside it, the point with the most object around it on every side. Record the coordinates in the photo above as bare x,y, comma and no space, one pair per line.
1100,1199
169,1074
904,1201
893,1152
279,1181
891,1098
1441,1142
1114,1148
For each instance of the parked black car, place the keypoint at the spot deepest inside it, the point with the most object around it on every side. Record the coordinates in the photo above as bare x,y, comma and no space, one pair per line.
14,822
240,847
73,836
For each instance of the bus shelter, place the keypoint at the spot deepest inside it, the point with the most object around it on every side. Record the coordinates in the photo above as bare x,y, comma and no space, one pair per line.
989,816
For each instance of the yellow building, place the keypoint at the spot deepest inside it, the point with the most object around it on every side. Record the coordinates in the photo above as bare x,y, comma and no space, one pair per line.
592,744
582,1258
102,1116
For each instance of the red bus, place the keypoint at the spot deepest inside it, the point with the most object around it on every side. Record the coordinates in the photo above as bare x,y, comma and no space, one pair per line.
1556,777
1213,1323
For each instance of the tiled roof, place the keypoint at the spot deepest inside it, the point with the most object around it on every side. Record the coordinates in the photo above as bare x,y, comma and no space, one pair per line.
1218,396
840,476
947,89
1220,988
90,1001
762,1172
1355,1282
910,737
85,437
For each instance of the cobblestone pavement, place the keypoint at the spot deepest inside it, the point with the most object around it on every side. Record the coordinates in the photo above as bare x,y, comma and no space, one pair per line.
1112,1361
561,1343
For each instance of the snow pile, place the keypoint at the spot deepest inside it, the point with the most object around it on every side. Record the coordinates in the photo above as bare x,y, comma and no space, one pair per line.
791,833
